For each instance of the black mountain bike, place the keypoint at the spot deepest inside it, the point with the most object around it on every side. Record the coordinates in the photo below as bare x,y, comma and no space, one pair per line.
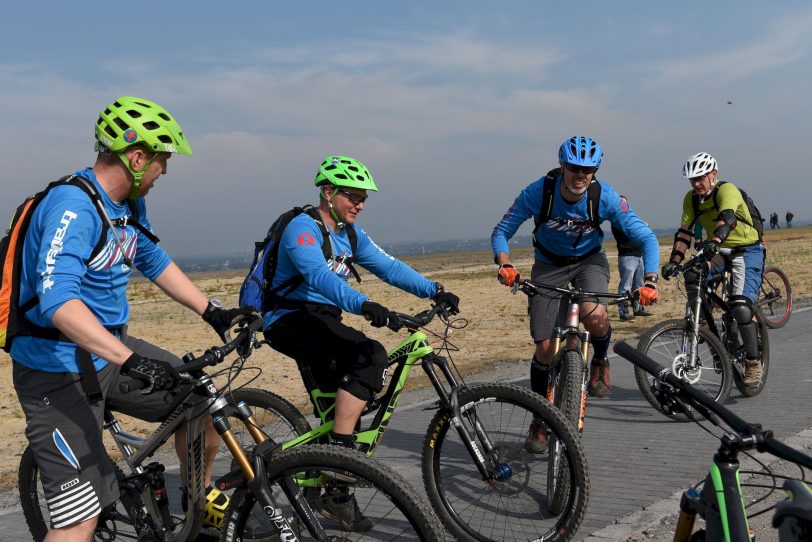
703,348
719,502
267,503
569,371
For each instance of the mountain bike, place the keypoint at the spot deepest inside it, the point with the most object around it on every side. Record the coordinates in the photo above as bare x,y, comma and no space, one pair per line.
720,502
775,297
569,373
478,476
267,503
705,352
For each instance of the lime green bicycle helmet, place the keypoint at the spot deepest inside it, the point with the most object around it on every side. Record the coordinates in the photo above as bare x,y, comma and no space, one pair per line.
131,121
346,172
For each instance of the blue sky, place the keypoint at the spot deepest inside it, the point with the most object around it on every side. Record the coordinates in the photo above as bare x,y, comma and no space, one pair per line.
453,106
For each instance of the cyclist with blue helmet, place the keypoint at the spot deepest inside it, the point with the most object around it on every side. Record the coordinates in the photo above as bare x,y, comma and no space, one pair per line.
568,205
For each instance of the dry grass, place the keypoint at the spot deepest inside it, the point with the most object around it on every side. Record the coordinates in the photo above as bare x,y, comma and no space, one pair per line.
497,321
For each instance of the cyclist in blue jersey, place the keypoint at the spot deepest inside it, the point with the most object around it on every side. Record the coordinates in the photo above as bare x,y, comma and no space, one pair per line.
305,324
68,363
568,249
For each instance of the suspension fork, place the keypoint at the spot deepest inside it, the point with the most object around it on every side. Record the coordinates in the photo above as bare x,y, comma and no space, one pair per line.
691,342
451,404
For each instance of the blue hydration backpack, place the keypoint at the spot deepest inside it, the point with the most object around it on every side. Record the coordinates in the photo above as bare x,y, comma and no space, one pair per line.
256,291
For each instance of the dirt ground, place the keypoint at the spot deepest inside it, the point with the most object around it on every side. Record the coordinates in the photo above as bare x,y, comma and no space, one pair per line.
496,331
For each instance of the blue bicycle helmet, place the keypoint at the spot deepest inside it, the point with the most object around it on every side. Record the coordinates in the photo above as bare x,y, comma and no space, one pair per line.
580,151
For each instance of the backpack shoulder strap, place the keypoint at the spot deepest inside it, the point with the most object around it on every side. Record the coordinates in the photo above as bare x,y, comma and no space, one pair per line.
353,237
548,195
133,221
593,203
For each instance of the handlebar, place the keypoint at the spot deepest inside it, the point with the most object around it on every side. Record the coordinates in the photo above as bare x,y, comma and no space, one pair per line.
400,320
212,356
765,442
535,288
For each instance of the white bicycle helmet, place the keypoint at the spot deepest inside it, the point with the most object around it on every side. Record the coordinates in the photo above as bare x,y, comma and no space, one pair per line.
699,164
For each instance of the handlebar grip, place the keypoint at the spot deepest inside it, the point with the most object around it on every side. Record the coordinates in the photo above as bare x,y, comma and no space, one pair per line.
779,449
132,385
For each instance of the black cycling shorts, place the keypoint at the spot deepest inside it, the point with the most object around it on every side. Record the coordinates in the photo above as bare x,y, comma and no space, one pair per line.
336,355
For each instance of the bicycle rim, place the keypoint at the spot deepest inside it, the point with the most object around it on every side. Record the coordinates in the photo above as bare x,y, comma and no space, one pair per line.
775,298
514,503
391,506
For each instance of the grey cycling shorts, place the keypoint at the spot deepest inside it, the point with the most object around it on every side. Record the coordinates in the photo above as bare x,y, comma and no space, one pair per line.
549,309
64,432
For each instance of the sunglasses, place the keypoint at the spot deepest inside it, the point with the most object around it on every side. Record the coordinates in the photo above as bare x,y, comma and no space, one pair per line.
355,199
580,169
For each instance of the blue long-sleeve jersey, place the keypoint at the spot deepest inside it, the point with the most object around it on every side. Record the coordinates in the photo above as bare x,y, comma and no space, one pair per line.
568,232
64,229
326,282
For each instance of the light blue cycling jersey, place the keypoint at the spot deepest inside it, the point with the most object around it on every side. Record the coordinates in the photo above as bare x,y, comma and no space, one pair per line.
568,239
326,282
64,229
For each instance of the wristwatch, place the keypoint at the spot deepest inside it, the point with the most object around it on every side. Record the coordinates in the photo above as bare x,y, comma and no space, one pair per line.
651,277
214,305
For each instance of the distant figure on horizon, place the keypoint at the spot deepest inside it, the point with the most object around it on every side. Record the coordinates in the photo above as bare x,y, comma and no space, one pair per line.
630,268
774,221
789,218
568,249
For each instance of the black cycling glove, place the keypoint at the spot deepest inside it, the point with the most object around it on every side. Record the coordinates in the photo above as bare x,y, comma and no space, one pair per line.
222,319
449,300
378,315
156,373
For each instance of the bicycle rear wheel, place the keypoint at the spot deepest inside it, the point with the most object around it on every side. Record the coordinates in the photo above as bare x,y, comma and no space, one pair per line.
513,503
669,343
382,496
775,297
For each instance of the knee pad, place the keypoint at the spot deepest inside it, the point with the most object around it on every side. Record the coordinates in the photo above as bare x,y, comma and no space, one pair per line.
741,309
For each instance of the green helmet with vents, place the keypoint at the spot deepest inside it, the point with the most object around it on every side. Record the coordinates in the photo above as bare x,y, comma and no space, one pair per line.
346,172
130,121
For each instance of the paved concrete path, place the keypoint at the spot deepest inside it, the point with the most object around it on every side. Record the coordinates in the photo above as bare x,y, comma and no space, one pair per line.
637,457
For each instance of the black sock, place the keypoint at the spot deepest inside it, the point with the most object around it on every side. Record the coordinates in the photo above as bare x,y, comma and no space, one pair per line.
539,377
600,345
346,441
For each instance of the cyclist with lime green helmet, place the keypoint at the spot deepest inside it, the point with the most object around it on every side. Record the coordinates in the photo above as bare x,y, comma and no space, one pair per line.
85,238
304,322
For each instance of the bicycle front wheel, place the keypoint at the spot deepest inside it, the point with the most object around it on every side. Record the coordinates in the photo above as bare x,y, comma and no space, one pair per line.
775,297
513,502
370,501
670,343
568,398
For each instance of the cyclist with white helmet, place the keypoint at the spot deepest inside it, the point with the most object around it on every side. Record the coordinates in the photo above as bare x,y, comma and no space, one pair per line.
73,350
305,323
724,215
568,205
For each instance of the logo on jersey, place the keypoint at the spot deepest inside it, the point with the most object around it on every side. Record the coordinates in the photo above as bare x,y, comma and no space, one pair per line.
130,135
111,254
571,227
306,240
624,205
338,265
56,248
